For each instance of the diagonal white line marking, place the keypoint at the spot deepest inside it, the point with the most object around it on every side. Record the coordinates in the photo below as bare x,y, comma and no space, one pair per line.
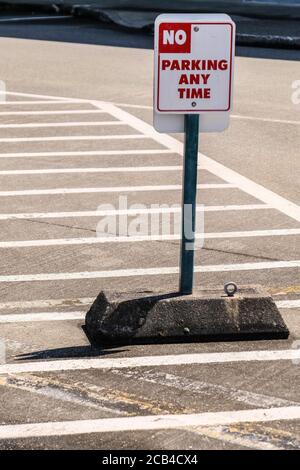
245,184
117,273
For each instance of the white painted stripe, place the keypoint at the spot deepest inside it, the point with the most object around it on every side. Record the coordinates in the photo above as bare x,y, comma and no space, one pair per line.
252,233
257,118
34,18
245,184
34,95
73,137
46,304
110,169
150,361
161,210
288,303
116,273
146,423
52,112
142,238
42,316
62,124
114,189
70,101
234,116
86,152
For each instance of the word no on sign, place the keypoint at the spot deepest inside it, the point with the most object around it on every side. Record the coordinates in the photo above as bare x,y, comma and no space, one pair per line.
194,64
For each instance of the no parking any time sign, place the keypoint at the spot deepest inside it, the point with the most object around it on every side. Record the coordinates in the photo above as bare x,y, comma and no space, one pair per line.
192,94
193,70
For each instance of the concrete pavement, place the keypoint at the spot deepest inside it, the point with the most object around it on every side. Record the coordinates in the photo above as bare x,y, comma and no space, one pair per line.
50,267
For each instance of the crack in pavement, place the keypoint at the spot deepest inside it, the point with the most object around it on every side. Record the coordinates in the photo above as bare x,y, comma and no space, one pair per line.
60,225
217,250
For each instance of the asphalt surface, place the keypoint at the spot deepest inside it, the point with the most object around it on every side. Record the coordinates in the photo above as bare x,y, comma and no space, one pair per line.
51,272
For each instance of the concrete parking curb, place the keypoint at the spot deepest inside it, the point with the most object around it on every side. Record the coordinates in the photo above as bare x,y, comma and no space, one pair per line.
208,314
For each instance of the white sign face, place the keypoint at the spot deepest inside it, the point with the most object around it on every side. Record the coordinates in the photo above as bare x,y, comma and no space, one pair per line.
194,66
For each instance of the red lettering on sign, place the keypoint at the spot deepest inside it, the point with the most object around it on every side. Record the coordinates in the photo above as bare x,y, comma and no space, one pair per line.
166,64
194,93
174,38
183,80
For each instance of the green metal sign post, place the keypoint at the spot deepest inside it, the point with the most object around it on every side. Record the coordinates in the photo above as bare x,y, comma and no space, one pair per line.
189,200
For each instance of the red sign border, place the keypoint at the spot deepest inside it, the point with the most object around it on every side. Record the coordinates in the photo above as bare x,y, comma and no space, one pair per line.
191,111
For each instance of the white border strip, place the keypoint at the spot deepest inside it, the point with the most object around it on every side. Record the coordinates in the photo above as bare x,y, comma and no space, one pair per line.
34,95
46,304
143,238
288,303
69,101
151,361
31,125
117,273
147,423
113,189
160,210
256,118
41,316
82,153
110,169
52,112
73,137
